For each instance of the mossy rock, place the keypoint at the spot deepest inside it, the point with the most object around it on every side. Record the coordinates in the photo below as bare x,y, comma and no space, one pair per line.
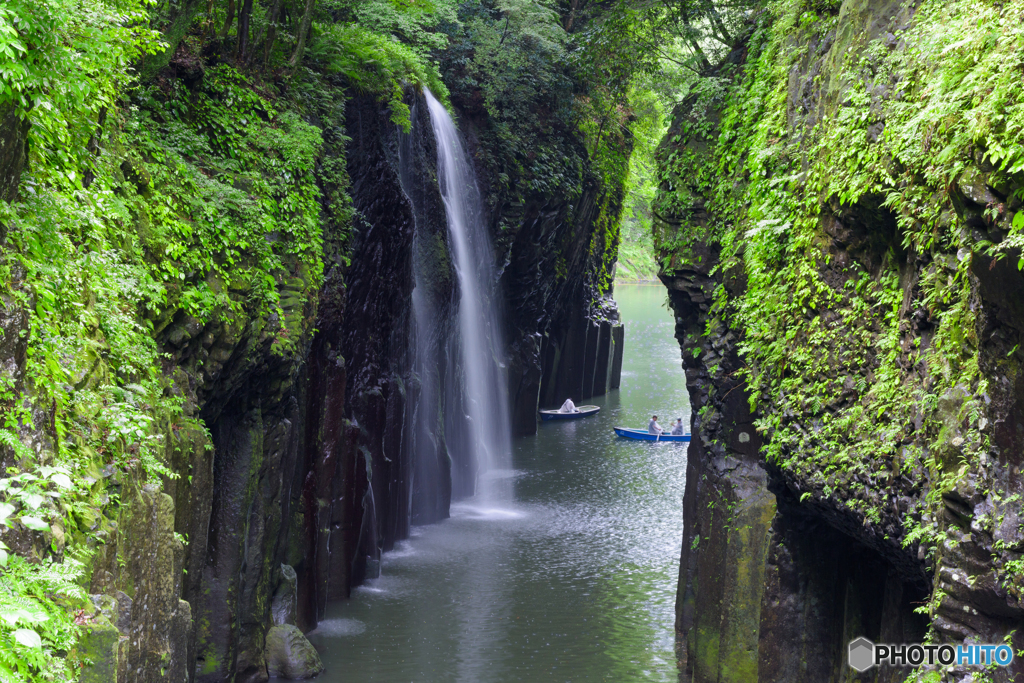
99,645
290,655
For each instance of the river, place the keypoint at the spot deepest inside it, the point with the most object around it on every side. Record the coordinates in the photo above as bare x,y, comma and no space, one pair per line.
574,580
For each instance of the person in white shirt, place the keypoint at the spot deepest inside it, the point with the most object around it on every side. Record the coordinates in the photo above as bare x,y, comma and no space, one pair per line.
677,428
568,407
653,427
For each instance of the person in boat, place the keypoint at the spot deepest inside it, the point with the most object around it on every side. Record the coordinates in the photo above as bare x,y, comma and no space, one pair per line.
677,428
568,407
653,427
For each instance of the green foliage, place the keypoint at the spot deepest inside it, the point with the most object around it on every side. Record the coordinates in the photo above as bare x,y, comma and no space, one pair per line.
375,63
547,79
513,59
413,22
222,182
63,67
37,630
638,59
202,202
845,393
62,63
636,247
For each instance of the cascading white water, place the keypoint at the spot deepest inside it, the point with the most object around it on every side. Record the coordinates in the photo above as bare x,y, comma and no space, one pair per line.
481,350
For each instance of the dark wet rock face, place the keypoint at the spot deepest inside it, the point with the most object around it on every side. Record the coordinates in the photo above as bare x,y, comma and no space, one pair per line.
13,152
283,605
563,334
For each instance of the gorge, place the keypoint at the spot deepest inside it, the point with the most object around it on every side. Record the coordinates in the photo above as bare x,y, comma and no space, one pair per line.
286,283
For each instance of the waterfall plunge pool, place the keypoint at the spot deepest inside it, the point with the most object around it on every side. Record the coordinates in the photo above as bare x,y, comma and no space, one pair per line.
573,580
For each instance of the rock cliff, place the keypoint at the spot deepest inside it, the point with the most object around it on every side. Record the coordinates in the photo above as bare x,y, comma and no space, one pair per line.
839,230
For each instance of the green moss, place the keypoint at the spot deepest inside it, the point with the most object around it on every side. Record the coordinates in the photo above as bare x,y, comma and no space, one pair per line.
767,162
207,205
99,646
748,532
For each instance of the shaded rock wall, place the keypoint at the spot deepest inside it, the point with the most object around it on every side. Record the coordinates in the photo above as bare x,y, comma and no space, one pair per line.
13,134
304,463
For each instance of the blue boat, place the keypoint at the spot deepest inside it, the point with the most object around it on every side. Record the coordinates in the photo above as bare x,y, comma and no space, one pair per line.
582,411
644,435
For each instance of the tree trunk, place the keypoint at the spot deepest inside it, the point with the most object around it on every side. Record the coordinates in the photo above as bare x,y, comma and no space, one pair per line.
242,41
300,44
716,21
230,19
209,31
271,33
705,63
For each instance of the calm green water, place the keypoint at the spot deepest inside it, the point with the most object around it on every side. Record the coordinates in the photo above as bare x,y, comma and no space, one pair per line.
573,581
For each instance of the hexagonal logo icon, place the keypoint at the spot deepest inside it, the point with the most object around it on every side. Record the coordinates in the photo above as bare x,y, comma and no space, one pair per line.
862,654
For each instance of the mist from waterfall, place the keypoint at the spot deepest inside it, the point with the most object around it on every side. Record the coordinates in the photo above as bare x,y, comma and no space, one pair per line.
480,350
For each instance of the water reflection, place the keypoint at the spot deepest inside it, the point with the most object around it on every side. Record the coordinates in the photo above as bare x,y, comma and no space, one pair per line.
574,580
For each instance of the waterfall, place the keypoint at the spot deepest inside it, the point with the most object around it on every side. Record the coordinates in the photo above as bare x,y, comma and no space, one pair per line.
480,350
430,489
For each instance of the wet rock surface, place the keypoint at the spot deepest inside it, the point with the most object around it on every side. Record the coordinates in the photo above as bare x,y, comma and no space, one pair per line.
290,655
552,260
100,644
13,152
160,621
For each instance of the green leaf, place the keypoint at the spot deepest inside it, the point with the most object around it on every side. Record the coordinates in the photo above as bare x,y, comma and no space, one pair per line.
62,480
35,524
6,510
33,500
1018,221
28,637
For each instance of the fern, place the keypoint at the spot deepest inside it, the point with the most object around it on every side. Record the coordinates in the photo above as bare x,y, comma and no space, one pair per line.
9,439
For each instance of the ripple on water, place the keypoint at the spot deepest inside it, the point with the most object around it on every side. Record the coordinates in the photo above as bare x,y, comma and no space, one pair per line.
485,513
502,474
338,628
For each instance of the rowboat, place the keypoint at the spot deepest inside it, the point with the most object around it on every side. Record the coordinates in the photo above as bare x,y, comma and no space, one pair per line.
584,411
643,435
